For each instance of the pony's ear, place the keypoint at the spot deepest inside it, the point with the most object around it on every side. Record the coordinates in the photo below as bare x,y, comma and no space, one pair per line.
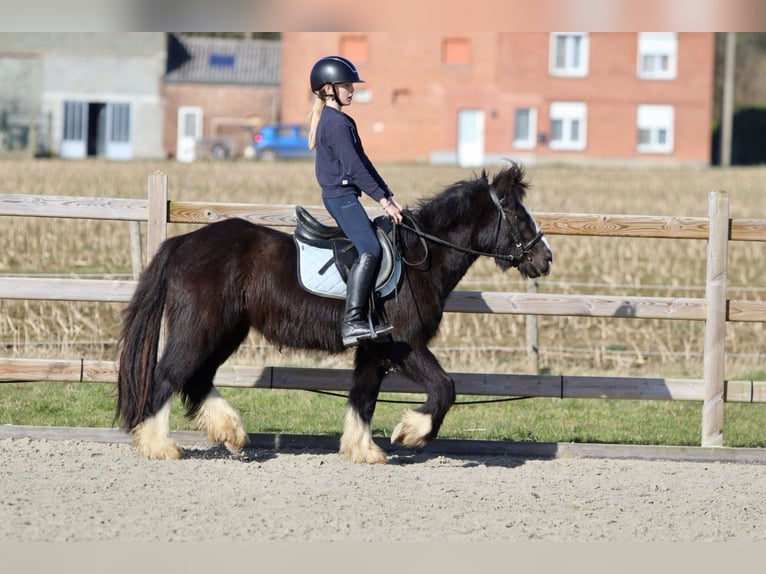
511,178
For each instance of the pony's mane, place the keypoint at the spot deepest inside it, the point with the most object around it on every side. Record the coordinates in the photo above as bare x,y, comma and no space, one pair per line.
454,202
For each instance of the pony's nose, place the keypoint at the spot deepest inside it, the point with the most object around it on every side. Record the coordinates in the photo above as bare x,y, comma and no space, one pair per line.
548,263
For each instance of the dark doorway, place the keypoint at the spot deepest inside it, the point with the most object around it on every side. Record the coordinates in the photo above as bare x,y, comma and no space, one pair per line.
96,128
748,138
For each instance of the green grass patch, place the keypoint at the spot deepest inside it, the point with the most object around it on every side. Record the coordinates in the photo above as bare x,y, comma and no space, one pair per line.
304,412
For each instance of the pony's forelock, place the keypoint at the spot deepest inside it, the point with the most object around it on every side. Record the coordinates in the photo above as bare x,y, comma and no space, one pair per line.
512,178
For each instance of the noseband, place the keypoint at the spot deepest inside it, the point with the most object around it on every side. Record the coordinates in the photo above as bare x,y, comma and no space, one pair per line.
520,251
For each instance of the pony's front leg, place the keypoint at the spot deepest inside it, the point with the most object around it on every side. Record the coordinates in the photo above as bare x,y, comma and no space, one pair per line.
420,426
356,444
152,439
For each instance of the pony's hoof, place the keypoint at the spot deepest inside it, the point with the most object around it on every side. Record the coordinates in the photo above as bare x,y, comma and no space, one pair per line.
222,422
235,439
236,448
167,451
369,455
356,443
413,430
153,444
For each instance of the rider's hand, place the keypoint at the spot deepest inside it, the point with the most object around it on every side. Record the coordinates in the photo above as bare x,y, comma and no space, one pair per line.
392,209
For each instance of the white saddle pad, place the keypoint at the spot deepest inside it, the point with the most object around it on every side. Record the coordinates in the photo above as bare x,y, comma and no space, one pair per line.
318,274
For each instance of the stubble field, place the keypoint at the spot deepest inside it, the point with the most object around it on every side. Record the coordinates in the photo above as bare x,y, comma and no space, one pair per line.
467,342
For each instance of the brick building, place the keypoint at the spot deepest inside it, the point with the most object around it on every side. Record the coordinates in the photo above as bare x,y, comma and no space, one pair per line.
216,91
478,98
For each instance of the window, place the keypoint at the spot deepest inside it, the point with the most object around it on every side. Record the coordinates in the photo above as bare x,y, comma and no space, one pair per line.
568,125
190,126
456,51
75,120
524,128
569,54
119,123
355,48
654,125
657,55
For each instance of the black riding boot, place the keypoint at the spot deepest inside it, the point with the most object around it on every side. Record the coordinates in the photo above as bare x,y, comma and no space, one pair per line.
357,325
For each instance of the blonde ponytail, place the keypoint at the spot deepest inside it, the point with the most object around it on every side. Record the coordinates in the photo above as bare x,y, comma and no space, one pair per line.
316,111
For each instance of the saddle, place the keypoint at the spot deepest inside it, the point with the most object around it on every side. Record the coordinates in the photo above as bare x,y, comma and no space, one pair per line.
326,255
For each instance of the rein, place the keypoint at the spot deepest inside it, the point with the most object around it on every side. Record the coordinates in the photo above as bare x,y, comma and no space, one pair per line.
521,248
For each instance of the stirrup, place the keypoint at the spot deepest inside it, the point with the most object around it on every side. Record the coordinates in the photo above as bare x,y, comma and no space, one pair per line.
351,340
379,331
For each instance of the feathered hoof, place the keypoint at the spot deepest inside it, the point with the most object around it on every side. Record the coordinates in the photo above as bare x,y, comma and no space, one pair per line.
413,429
363,454
157,450
222,423
356,444
234,441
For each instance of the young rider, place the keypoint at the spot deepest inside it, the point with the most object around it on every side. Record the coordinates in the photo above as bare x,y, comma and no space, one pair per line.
344,171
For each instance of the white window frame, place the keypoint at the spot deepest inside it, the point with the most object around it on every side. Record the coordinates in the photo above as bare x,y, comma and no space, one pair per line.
529,141
574,125
118,130
657,121
653,47
574,48
74,140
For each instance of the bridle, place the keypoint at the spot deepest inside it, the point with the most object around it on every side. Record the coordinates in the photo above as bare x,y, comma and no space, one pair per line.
520,248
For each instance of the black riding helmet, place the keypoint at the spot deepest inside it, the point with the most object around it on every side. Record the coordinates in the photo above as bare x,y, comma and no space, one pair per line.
333,70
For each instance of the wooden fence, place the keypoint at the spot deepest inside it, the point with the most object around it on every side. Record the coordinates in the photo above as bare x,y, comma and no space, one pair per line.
714,308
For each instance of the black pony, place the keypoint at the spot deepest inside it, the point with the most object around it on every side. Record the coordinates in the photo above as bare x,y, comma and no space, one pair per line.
215,283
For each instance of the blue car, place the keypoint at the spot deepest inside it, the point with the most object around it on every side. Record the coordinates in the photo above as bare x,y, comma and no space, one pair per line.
282,141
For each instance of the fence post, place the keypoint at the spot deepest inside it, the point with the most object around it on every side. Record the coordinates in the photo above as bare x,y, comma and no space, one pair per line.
715,323
136,259
533,334
157,227
157,224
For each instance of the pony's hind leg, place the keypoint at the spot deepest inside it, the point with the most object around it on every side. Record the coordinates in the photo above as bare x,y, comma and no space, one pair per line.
152,439
205,405
221,421
356,444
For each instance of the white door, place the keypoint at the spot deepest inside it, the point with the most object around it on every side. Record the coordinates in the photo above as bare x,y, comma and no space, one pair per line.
74,140
189,131
118,131
470,138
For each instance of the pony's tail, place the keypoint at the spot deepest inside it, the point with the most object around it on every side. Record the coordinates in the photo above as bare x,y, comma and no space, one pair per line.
139,341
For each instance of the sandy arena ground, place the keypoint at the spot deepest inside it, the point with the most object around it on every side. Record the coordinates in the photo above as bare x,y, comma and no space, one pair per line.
74,490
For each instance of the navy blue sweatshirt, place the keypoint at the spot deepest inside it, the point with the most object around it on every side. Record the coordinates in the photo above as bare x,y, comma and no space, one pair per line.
342,167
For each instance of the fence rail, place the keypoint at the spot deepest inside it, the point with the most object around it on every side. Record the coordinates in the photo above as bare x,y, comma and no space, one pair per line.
714,308
480,384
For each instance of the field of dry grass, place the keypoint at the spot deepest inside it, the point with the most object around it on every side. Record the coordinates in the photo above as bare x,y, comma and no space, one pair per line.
570,345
